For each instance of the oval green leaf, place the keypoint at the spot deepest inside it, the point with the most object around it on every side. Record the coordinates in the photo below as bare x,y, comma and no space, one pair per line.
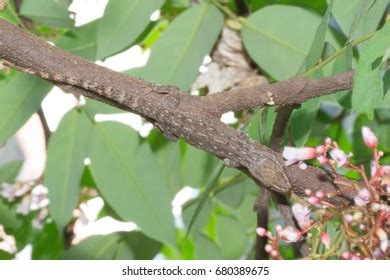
65,165
280,47
129,179
20,97
180,50
50,13
122,23
368,83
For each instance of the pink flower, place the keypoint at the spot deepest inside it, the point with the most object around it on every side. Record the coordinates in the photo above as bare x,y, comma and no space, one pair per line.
369,137
294,155
325,239
302,215
384,241
363,197
290,234
339,157
261,231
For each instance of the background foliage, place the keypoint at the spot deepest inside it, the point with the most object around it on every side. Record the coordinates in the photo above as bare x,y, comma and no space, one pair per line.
282,38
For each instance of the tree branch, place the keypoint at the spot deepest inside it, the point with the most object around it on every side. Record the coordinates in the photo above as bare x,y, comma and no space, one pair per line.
292,92
179,115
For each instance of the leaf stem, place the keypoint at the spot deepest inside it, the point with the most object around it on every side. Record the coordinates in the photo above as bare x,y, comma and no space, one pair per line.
225,9
333,56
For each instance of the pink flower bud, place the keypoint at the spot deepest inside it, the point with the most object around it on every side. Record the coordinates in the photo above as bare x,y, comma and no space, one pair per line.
268,248
356,257
339,157
308,192
274,253
320,194
325,239
278,228
384,241
261,231
313,200
363,197
294,155
369,138
346,255
302,215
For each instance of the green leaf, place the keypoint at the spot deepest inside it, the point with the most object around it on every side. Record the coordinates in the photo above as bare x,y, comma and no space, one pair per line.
276,45
359,17
180,3
123,21
316,49
8,217
342,64
93,107
136,246
180,50
9,13
211,184
318,5
261,125
206,249
302,121
368,84
65,165
129,179
9,171
230,232
20,97
48,244
167,154
99,247
50,13
234,193
81,41
196,166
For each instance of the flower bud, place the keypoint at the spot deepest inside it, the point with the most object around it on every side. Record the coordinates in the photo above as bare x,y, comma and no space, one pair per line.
261,231
384,241
268,248
313,200
325,239
294,155
369,138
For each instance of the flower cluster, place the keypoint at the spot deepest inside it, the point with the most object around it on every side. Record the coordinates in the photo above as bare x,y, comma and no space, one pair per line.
28,196
359,230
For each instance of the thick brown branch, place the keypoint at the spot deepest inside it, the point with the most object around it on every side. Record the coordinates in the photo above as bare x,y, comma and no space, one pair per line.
291,92
178,115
